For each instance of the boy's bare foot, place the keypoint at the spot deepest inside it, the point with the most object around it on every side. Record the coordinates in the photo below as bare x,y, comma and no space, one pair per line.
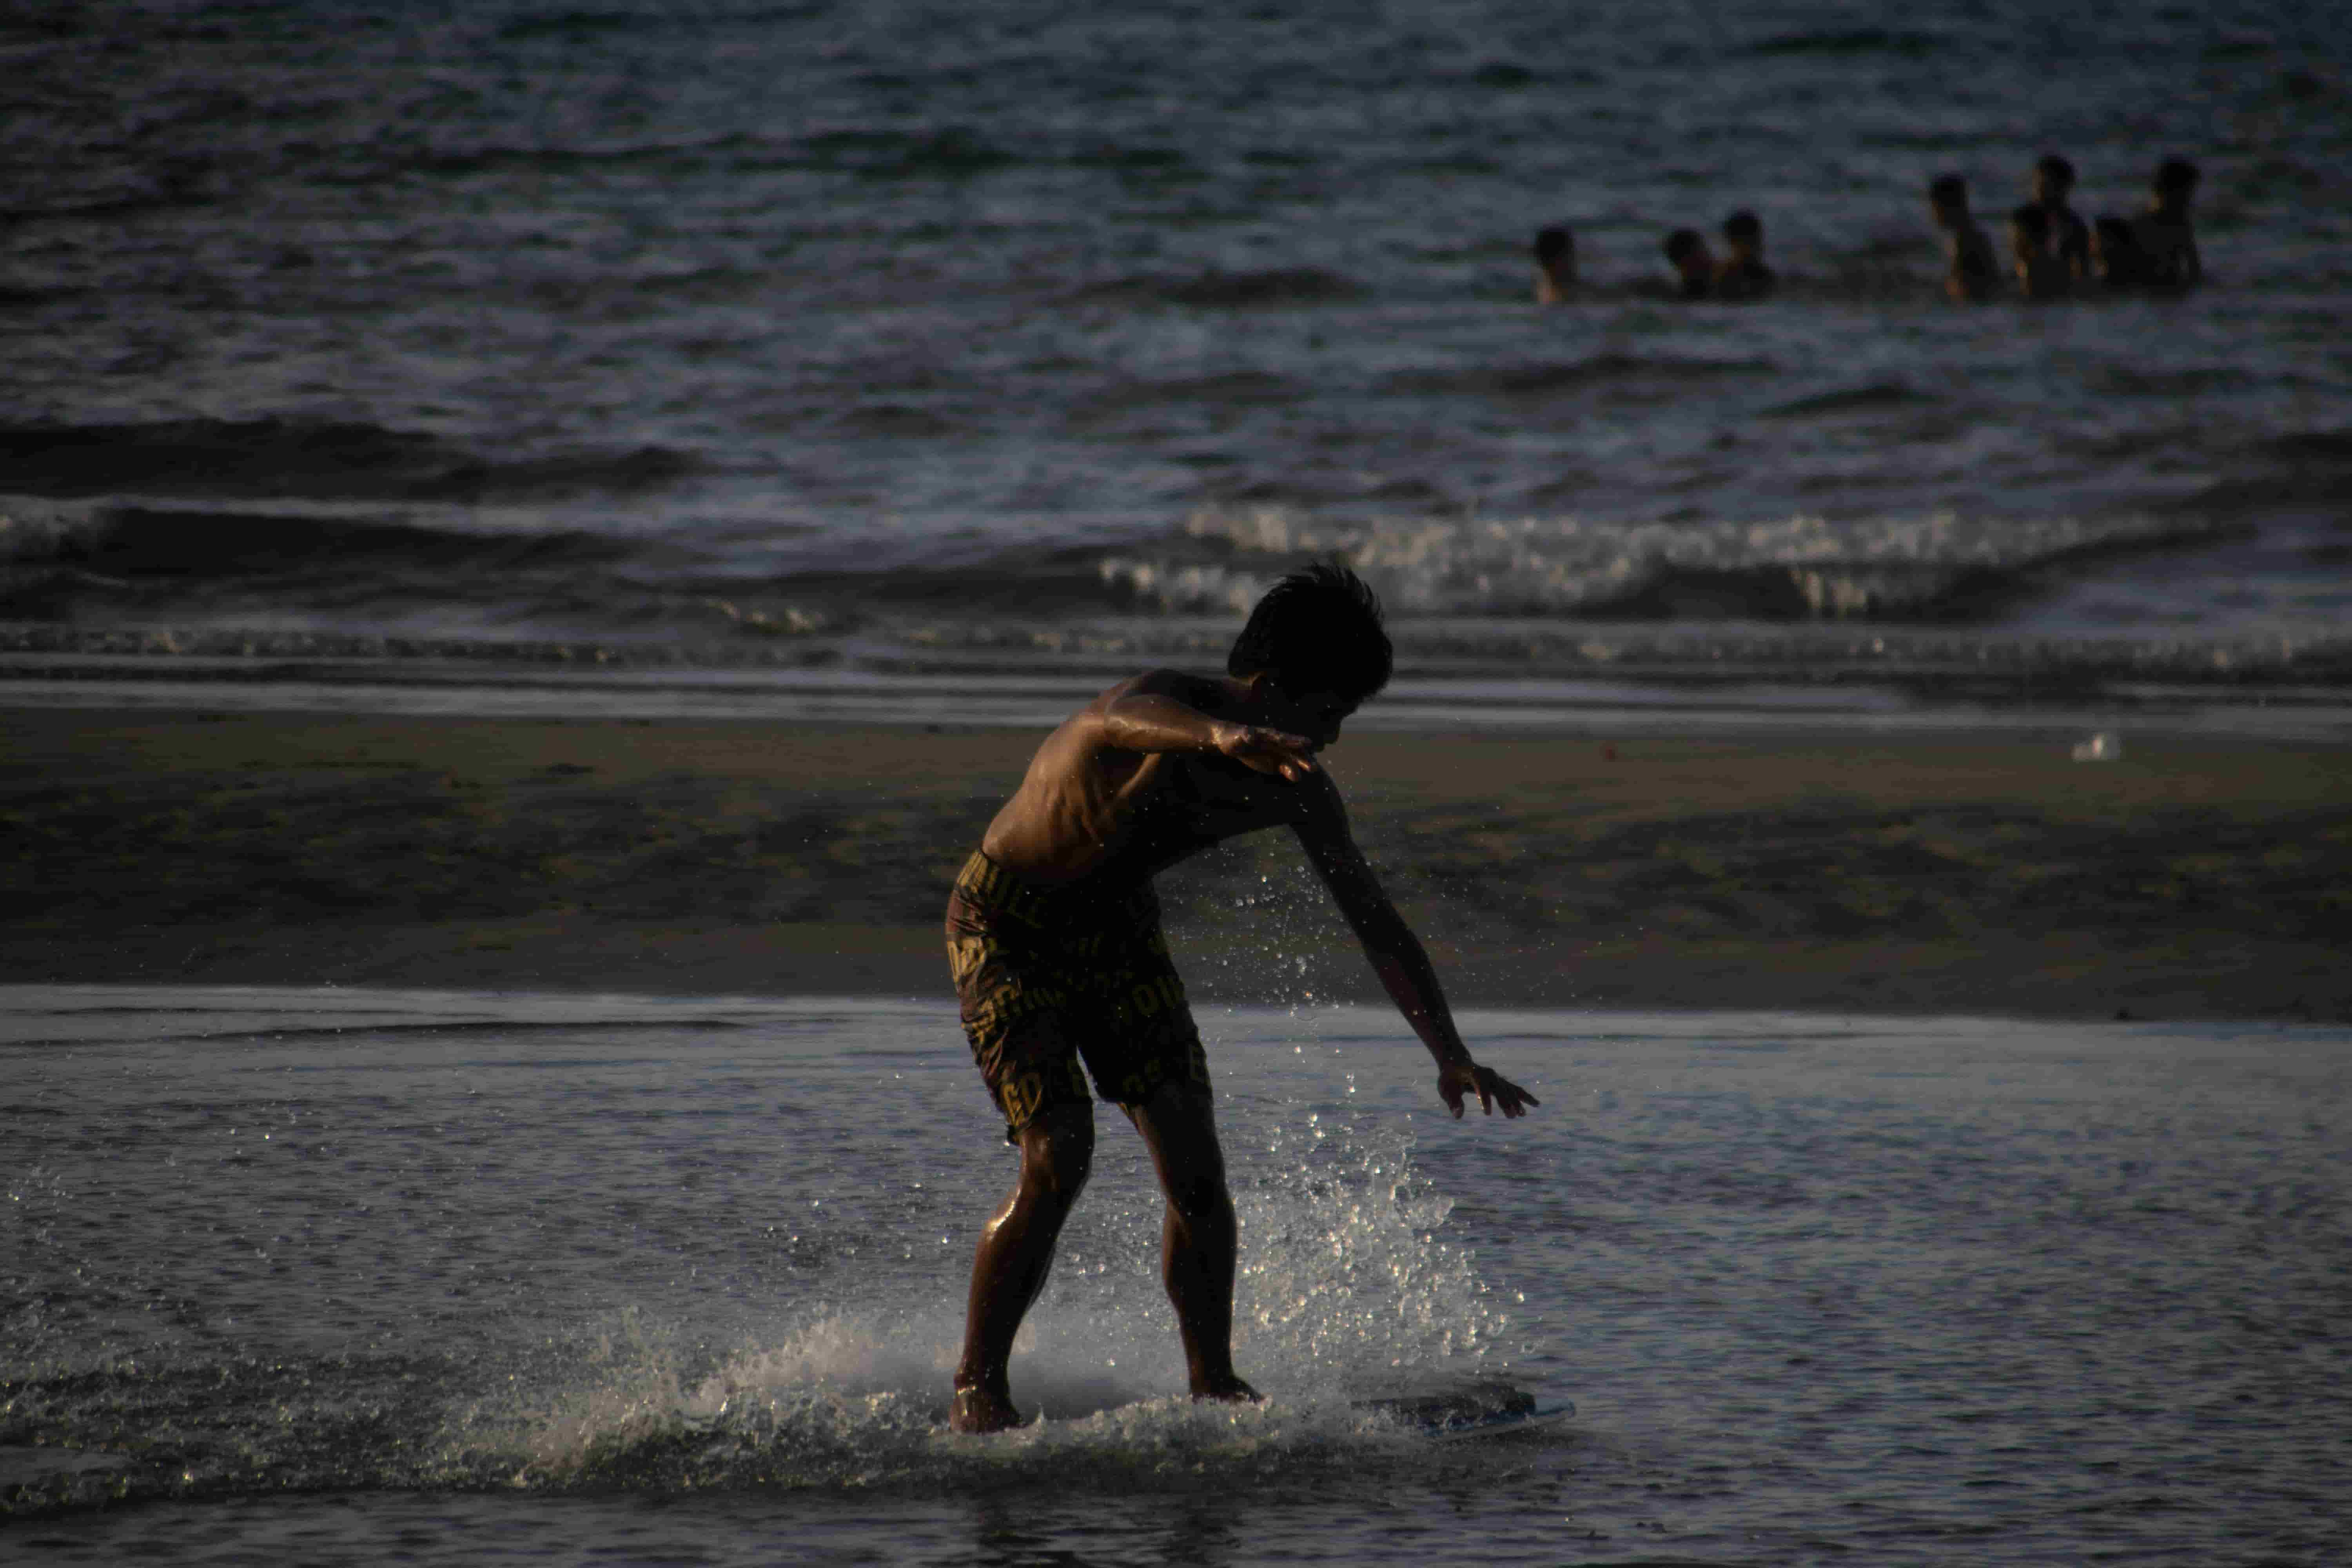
981,1410
1229,1389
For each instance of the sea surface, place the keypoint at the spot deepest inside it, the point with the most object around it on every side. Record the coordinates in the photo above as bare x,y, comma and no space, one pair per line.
738,356
335,1276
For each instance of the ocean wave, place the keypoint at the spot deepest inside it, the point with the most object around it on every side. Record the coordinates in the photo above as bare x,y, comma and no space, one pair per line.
2314,448
272,457
659,21
1938,567
132,541
1216,289
1848,41
948,151
1614,371
1151,163
1221,389
1852,400
576,24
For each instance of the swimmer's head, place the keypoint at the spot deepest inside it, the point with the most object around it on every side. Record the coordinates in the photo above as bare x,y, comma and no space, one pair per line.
1743,231
1686,249
1555,264
1947,198
2173,185
2053,177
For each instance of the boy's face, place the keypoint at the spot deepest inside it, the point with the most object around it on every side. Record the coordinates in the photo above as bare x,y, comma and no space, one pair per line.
2049,189
1314,715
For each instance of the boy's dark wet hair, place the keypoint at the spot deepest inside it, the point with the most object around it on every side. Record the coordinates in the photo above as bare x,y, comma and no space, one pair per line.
2055,169
2175,174
1553,243
1683,243
1948,191
1743,227
1318,629
2032,222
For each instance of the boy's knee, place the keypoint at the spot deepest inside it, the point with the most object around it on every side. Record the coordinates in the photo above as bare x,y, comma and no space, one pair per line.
1057,1151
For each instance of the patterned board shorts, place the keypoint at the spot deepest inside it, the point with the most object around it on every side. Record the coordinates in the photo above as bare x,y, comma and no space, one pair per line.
1048,978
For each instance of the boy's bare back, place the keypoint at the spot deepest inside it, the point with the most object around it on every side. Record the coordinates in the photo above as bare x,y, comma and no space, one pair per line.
1159,768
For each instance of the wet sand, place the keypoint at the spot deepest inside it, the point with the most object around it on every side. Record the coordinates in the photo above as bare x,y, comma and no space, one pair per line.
1976,873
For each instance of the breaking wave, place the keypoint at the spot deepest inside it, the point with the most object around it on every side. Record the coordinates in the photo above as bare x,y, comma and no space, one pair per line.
1894,569
263,458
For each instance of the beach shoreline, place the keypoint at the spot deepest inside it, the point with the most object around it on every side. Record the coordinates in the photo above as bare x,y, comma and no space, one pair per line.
1816,870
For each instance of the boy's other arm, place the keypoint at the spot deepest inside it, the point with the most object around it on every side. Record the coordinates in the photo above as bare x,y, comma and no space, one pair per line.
1400,960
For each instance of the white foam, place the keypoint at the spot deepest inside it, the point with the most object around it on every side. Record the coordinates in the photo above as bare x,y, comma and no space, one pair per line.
1542,565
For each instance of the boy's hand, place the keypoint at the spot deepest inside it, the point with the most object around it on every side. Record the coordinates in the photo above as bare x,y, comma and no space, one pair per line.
1456,1080
1268,750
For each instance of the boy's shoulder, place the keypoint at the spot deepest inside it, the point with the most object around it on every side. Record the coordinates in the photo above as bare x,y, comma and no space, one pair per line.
1164,681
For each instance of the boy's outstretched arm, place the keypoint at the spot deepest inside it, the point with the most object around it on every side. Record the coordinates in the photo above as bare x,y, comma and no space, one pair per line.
1143,719
1401,963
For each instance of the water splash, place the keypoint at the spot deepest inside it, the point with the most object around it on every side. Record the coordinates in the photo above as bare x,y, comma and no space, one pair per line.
1347,1289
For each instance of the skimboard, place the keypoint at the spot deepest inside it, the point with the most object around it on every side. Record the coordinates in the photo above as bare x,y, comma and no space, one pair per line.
1474,1410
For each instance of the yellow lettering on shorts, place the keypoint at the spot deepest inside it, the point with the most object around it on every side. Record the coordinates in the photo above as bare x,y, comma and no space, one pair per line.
965,955
1023,1095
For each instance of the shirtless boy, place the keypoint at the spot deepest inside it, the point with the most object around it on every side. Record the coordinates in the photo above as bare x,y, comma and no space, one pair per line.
1970,273
1743,274
1555,264
2041,275
1053,940
1694,264
2167,245
2070,237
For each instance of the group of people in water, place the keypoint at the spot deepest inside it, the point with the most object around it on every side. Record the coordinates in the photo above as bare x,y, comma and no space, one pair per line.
2052,253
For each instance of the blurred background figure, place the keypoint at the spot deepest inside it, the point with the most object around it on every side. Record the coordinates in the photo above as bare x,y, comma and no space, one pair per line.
1972,275
2116,258
2040,274
1742,275
2070,237
1555,264
2167,246
1694,264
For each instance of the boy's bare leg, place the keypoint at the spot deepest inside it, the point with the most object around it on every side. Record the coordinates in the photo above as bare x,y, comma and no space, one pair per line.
1198,1239
1014,1255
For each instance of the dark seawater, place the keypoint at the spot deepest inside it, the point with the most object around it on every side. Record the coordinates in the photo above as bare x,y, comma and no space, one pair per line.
875,344
326,1278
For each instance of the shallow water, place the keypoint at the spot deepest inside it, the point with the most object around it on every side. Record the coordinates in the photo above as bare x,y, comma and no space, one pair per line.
898,339
328,1276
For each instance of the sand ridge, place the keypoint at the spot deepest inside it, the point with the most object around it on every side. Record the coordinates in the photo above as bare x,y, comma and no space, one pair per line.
2191,877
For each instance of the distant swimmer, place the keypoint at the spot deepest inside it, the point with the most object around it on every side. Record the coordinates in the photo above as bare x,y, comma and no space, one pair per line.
1555,264
1742,275
1694,265
2116,258
2070,237
2040,274
1972,275
2167,243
